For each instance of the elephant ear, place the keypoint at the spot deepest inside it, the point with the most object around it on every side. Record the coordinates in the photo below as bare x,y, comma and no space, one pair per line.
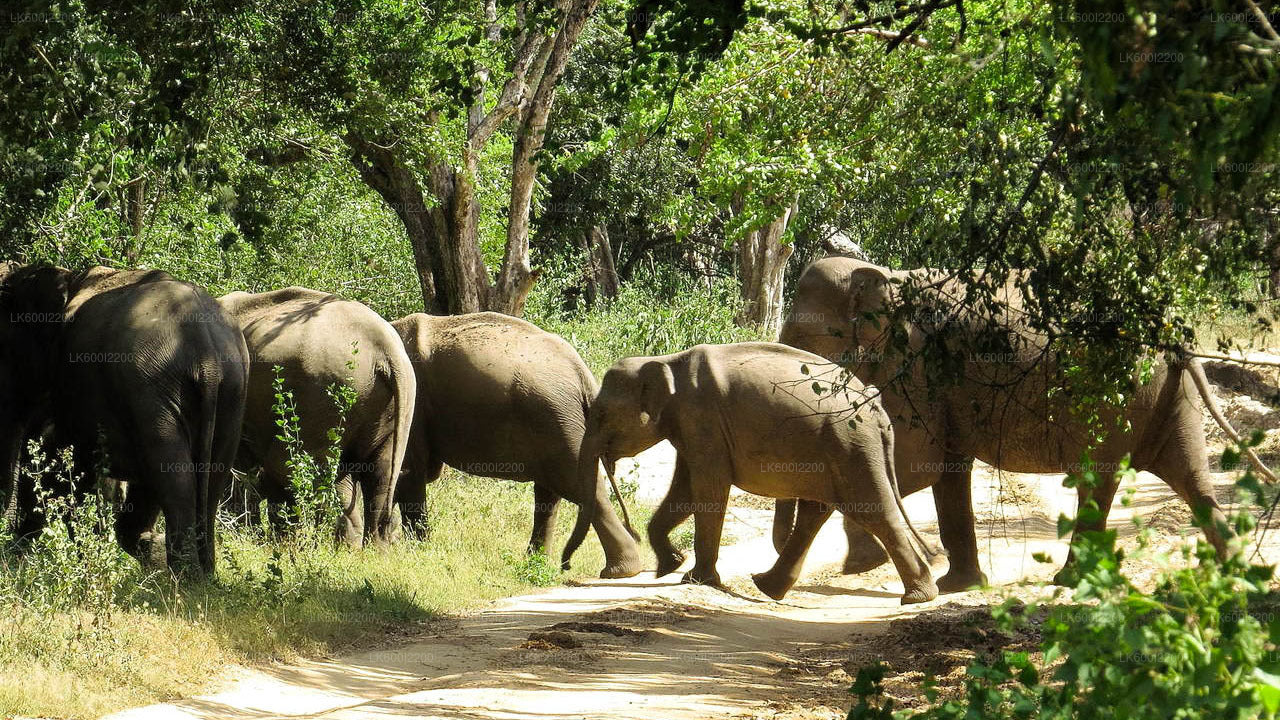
657,387
875,301
869,293
35,292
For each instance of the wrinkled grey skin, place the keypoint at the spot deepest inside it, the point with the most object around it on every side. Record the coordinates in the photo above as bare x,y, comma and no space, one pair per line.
746,415
499,397
309,334
998,410
146,365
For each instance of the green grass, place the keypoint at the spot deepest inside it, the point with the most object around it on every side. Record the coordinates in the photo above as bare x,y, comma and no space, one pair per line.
158,643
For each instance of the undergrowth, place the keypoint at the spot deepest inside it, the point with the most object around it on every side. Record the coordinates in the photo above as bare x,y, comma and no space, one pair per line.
1203,644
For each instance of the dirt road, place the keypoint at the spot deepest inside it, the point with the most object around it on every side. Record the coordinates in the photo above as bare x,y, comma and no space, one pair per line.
651,649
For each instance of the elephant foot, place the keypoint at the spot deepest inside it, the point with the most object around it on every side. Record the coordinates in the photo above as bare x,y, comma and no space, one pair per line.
702,577
864,557
151,551
775,585
626,567
957,580
669,563
921,592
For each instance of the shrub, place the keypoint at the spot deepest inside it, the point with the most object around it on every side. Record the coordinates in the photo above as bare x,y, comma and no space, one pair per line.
645,320
1192,648
313,481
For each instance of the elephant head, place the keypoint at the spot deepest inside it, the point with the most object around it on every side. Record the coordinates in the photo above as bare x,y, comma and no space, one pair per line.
32,302
624,420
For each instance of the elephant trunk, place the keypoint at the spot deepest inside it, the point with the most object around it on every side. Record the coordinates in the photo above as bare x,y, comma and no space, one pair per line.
1196,370
588,477
609,466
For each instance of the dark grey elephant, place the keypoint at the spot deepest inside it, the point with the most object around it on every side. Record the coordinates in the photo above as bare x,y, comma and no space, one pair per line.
499,397
311,336
746,415
136,364
996,406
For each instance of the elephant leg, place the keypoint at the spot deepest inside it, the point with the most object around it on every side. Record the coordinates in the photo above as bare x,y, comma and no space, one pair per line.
1103,495
1185,468
545,505
622,555
865,551
350,530
377,479
953,499
411,494
137,518
876,510
710,502
676,507
779,579
175,485
784,520
279,501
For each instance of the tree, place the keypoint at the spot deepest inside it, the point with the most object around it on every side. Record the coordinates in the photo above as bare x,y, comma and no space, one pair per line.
1124,151
775,120
102,104
418,96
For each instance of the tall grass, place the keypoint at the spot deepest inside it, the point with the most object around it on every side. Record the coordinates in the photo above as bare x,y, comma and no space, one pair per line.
150,640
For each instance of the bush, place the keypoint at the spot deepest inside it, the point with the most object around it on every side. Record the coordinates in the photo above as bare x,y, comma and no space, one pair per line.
1193,648
651,316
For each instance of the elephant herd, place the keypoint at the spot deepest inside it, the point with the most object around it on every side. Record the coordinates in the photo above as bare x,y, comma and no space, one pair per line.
154,383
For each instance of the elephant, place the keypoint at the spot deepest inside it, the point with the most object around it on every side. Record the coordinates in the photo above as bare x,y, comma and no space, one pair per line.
746,414
140,366
993,402
499,397
318,340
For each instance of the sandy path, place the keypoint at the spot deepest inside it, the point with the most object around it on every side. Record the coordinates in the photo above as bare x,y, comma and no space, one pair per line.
656,649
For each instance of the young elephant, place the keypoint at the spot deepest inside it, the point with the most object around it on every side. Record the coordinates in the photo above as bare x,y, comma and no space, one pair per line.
311,335
139,365
499,397
746,415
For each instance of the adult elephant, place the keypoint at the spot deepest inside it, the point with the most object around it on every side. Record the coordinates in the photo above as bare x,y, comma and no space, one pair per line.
745,415
142,367
499,397
994,402
319,340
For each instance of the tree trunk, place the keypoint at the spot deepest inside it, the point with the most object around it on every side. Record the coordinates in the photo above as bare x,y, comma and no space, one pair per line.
133,210
762,262
446,255
516,278
446,248
469,288
603,274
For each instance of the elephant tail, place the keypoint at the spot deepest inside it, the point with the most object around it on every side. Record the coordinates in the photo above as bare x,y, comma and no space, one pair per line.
400,376
209,383
1202,387
886,441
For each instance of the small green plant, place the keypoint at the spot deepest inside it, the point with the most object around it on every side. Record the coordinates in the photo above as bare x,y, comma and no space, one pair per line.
75,561
535,569
682,537
1193,648
313,481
